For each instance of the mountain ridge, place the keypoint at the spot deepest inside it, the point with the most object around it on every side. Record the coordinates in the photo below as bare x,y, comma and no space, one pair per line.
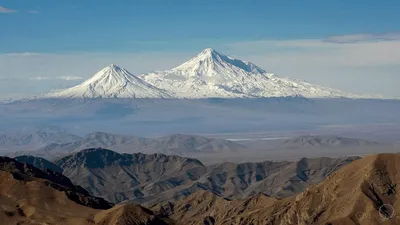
172,144
146,179
26,173
363,192
32,196
118,177
38,162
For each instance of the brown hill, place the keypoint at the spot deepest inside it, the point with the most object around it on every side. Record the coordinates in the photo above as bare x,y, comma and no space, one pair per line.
118,177
32,196
128,214
363,192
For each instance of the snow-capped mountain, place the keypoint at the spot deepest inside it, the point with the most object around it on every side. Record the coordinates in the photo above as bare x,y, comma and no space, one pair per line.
111,82
208,75
212,74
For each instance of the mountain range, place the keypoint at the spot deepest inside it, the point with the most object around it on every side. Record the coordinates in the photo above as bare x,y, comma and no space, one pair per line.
210,74
363,191
209,150
148,179
179,144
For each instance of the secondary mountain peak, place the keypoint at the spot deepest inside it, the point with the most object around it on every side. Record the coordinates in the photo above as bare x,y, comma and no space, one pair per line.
114,69
112,81
112,74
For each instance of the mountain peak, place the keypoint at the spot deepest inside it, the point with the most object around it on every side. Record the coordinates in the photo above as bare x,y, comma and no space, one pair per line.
209,63
111,77
115,71
113,67
208,52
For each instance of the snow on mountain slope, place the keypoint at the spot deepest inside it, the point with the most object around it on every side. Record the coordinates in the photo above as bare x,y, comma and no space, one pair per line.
212,74
111,82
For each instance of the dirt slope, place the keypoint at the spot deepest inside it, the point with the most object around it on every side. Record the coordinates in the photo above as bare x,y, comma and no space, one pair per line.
362,192
31,196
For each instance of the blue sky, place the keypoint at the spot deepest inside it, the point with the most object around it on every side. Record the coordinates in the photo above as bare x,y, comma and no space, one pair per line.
349,45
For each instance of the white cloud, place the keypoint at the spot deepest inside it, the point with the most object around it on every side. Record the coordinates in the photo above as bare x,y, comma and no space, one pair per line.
6,10
40,78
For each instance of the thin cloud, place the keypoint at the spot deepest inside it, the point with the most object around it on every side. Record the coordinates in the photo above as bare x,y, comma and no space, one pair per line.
147,42
21,54
67,78
360,66
33,11
41,78
317,51
6,10
6,79
354,38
